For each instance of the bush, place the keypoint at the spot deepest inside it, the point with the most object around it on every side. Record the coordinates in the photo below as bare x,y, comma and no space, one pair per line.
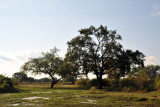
157,83
105,82
93,82
15,81
143,82
93,89
82,82
128,82
6,84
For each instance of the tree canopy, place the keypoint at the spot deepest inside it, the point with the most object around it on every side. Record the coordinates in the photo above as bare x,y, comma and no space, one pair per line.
98,50
69,70
21,76
48,64
151,70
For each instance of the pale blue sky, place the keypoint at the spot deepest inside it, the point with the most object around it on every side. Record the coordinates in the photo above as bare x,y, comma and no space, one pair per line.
39,25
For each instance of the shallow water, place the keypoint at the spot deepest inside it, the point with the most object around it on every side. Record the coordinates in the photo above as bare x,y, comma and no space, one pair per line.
32,98
90,101
16,104
22,103
42,92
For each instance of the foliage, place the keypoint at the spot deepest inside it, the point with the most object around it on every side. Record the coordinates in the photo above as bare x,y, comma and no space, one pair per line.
31,80
128,84
6,84
93,82
157,83
140,82
151,70
127,60
144,82
47,64
143,78
93,89
15,81
21,76
45,80
70,71
105,82
99,51
82,82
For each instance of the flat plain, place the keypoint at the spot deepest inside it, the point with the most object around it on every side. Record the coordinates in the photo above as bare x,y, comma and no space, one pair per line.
73,96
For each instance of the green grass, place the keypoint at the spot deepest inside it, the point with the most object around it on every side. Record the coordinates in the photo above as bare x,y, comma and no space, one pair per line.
72,96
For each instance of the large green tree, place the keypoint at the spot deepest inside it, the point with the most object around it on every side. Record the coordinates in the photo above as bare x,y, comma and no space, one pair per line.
48,64
99,51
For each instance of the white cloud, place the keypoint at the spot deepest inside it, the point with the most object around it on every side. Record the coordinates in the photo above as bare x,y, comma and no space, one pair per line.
155,6
4,58
11,62
152,60
154,14
155,10
18,56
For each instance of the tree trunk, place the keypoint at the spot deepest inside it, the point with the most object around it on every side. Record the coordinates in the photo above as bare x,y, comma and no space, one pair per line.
99,80
117,78
53,82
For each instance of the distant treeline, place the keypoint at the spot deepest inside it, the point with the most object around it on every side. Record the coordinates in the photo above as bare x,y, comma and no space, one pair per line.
21,77
140,79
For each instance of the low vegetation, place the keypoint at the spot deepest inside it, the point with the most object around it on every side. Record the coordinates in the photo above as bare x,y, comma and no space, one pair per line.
98,51
73,96
6,85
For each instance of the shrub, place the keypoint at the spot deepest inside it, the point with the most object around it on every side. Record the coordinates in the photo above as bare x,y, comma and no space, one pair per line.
93,89
82,82
6,84
157,83
15,81
93,82
105,82
128,82
143,82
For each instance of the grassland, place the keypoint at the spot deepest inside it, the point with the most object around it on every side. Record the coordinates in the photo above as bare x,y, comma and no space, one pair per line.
72,96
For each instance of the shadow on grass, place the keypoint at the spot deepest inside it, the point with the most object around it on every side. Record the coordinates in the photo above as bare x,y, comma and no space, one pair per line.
71,88
9,90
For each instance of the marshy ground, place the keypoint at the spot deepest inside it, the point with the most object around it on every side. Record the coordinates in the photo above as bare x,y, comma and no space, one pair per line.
72,96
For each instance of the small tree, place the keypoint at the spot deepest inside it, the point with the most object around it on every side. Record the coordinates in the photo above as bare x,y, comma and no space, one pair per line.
47,64
151,70
31,79
44,80
21,76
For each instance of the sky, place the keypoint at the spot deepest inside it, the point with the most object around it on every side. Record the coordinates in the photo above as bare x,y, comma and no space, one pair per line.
28,27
